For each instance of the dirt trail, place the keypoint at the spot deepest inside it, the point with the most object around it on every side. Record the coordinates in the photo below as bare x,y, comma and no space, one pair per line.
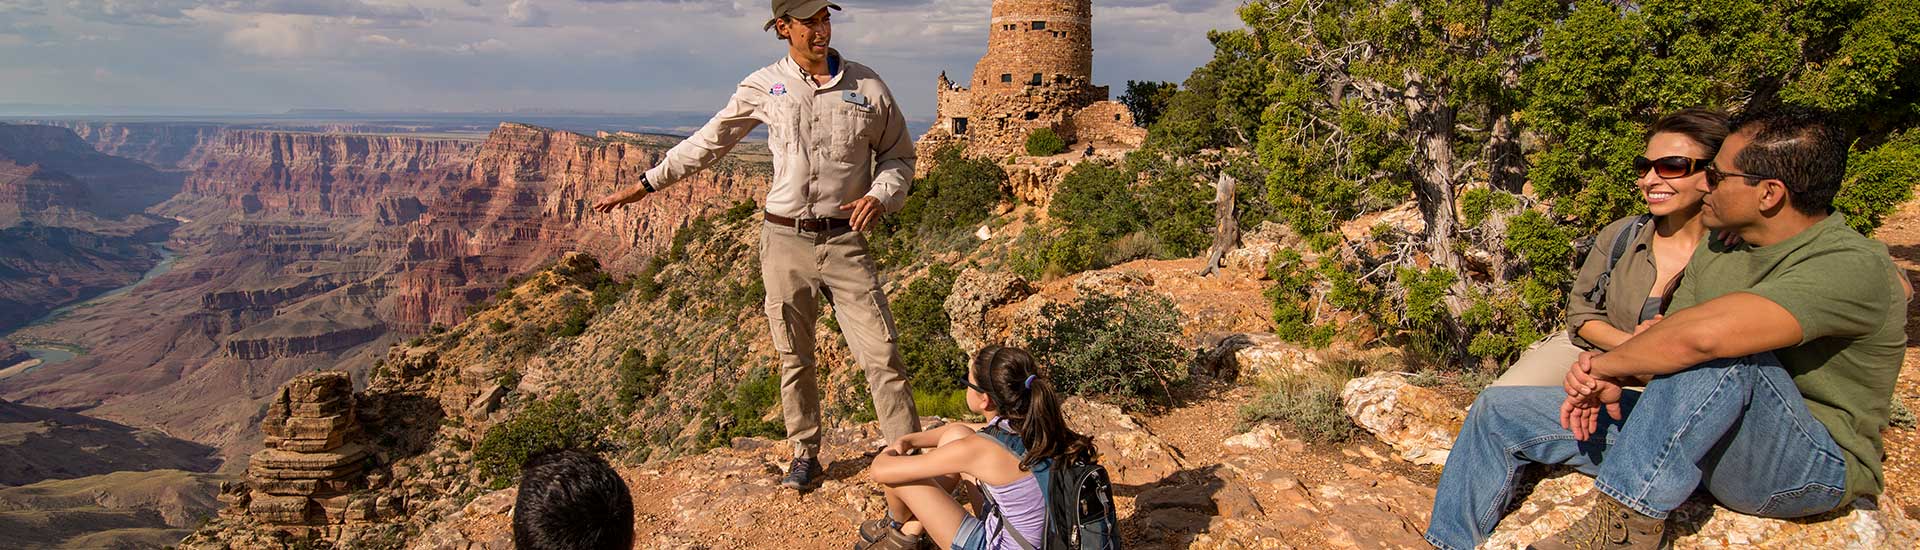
1901,232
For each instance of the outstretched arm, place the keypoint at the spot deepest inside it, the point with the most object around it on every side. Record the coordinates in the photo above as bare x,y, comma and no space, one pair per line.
697,152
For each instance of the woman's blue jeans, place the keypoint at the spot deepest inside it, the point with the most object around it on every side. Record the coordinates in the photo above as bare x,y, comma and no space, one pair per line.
1736,426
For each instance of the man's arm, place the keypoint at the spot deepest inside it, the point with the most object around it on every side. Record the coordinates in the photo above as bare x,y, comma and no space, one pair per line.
713,141
1735,325
893,161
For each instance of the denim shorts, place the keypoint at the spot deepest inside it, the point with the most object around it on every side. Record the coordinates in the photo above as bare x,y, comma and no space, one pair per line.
972,534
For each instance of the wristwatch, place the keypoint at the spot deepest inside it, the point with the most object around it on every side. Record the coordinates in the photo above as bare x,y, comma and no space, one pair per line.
645,183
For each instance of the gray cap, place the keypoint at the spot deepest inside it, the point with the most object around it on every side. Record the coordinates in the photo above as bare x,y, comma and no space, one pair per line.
798,9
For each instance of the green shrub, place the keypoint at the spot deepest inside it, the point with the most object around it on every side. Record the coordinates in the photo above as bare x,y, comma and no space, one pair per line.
740,413
948,404
499,325
1310,404
1879,181
558,423
1097,197
1040,254
638,377
1121,349
933,359
1044,142
1477,204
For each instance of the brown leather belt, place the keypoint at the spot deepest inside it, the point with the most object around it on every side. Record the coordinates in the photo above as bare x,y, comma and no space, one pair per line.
814,225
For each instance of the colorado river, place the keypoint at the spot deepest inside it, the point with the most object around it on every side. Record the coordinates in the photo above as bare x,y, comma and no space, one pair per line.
49,353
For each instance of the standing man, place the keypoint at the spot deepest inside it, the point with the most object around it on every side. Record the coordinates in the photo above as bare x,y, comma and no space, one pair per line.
841,159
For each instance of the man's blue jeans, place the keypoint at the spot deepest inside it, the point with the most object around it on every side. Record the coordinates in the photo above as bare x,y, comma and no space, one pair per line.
1737,426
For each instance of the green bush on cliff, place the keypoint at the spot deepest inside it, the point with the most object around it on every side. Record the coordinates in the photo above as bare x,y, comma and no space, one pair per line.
637,377
742,412
942,209
558,423
1122,349
1045,142
934,361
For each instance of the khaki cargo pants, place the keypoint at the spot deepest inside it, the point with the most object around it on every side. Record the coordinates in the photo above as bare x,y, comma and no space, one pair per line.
799,267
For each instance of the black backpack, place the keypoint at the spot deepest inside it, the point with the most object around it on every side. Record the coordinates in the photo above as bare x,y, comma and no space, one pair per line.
1080,512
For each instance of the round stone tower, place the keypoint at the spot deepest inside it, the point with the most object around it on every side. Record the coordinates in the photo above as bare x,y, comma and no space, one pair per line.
1036,43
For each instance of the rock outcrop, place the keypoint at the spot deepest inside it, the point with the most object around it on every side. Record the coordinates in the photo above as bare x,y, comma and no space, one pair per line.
1418,422
10,354
1560,500
304,481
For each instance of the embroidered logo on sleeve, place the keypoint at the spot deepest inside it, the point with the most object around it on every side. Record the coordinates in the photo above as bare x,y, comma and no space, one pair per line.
779,88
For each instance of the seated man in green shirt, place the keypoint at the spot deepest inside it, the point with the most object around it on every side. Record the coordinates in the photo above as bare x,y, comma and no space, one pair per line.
1770,380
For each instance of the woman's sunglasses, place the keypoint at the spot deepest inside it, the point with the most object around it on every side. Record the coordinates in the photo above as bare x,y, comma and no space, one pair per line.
968,380
1670,167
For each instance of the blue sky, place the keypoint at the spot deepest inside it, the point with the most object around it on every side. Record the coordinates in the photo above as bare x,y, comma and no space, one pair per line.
629,56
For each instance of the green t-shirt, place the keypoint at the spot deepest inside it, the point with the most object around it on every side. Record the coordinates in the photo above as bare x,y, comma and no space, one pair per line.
1843,290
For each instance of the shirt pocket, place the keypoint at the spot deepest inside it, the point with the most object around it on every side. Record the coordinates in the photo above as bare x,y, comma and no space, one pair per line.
853,130
783,123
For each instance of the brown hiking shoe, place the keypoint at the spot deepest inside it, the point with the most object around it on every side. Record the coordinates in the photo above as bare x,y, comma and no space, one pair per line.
889,538
1610,525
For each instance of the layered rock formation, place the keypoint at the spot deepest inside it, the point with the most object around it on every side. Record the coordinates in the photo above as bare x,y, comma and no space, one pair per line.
70,222
302,251
303,480
160,144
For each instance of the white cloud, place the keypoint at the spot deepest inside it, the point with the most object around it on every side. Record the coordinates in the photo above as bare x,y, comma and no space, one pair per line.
523,13
275,36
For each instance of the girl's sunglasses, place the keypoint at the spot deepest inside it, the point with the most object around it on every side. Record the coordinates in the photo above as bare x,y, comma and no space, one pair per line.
1670,167
968,380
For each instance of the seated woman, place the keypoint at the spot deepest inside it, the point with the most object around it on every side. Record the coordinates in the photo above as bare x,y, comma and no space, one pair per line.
1614,298
1007,457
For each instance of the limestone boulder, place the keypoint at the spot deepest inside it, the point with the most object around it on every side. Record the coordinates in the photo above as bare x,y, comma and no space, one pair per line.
1418,422
1269,356
976,294
1131,453
1564,498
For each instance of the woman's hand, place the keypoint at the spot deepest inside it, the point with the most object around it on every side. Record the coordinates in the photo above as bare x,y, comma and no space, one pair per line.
1647,324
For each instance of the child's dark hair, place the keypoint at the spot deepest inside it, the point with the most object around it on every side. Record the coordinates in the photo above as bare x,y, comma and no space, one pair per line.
570,500
1027,401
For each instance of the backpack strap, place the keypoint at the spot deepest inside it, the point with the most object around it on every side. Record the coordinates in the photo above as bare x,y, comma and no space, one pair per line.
1621,241
998,436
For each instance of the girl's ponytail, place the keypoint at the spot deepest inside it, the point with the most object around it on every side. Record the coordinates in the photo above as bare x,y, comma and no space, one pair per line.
1027,400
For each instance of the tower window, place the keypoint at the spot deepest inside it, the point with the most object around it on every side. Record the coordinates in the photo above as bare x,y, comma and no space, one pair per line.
1039,25
1036,79
1033,115
1006,77
960,125
1116,117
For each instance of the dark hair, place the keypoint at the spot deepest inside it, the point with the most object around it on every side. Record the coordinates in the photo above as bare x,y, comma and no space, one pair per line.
570,500
1704,126
1800,147
1033,409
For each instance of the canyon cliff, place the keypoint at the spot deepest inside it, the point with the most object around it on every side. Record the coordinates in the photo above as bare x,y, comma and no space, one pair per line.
300,251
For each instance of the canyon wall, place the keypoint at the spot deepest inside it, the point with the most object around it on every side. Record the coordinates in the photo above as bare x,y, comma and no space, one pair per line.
299,251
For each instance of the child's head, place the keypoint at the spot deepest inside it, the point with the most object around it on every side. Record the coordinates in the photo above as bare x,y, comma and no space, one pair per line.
573,501
1015,390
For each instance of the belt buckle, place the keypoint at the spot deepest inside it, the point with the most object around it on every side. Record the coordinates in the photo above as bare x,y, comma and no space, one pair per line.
812,225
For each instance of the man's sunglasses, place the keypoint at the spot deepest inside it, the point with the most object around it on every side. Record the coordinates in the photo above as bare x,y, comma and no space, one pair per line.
1670,167
1716,175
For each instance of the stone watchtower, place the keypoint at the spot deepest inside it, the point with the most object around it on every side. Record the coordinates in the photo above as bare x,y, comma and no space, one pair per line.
1037,73
1035,43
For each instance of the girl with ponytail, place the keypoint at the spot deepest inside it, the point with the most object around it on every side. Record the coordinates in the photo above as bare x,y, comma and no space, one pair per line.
1023,436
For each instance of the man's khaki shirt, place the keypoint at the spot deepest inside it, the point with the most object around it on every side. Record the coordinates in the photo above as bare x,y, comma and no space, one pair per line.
832,143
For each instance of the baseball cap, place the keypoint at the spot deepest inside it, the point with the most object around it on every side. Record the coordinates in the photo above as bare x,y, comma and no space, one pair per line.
799,9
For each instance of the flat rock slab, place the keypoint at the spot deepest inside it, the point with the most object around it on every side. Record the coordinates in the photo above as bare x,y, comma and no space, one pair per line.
1564,498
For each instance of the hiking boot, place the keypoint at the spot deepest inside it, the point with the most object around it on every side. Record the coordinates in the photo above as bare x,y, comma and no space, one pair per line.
889,537
1610,525
874,529
802,473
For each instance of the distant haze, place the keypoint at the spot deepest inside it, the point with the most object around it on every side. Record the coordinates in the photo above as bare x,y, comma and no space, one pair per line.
209,57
